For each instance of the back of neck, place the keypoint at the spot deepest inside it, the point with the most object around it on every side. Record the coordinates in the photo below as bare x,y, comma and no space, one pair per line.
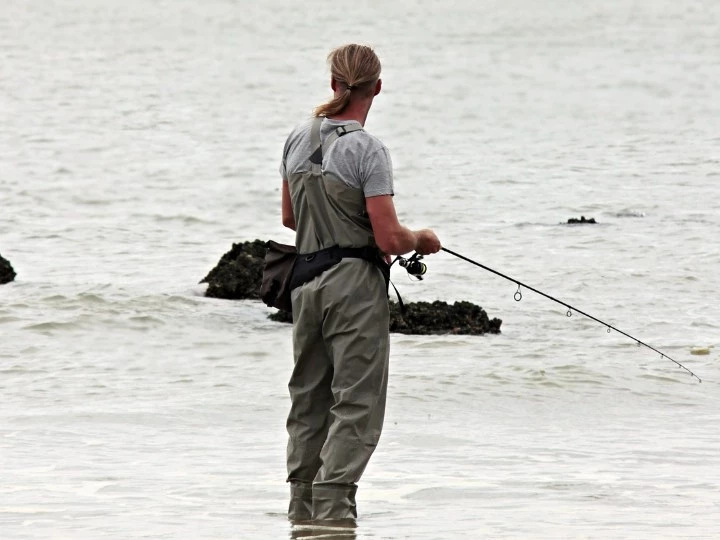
358,113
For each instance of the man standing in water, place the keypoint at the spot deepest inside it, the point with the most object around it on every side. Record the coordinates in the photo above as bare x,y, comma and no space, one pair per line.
337,191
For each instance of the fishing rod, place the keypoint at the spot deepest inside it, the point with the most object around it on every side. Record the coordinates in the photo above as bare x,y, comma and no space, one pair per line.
518,296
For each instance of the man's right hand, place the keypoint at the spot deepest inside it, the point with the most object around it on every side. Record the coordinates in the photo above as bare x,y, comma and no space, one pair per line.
427,242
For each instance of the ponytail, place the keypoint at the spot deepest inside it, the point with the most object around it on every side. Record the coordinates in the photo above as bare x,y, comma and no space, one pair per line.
357,68
335,105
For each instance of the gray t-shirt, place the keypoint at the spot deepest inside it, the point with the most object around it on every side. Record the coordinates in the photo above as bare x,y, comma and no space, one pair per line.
357,158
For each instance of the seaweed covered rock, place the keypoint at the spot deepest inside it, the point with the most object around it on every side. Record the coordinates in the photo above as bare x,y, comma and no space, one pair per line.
238,274
432,318
7,273
442,318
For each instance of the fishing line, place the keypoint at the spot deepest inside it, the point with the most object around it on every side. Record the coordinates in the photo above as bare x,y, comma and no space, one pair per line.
518,296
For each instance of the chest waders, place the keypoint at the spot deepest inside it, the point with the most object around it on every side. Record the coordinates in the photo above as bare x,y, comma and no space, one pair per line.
340,343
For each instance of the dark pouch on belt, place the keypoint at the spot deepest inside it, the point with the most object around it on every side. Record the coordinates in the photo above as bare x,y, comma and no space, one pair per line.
311,265
277,273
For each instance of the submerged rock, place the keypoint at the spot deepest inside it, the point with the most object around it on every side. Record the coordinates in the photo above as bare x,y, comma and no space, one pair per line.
7,273
582,219
238,276
630,213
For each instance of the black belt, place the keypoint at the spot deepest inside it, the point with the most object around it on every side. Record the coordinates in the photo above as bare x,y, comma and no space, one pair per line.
308,266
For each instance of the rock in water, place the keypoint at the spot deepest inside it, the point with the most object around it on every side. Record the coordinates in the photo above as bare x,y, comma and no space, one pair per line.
432,318
582,220
442,318
281,316
238,274
7,273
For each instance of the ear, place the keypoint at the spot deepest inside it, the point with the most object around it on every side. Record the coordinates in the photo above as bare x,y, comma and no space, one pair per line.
333,84
378,87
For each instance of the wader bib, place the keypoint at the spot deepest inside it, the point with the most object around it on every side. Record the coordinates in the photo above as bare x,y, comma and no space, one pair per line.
341,345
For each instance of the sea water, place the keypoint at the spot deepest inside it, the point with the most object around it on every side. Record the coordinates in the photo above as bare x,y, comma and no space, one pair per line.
140,139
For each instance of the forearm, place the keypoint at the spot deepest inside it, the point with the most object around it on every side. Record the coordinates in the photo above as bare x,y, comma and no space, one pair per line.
401,241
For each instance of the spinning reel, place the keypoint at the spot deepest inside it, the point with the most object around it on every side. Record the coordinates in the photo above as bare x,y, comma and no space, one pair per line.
413,265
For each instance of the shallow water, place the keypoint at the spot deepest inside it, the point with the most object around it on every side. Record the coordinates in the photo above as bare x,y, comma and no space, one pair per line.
142,139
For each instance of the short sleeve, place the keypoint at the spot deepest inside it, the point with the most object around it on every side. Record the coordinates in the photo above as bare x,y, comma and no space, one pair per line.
283,160
286,152
376,173
283,168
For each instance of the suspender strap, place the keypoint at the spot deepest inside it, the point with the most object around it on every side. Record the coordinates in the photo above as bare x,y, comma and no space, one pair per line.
339,132
317,156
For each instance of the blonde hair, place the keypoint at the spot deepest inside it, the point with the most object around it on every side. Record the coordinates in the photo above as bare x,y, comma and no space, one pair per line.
357,68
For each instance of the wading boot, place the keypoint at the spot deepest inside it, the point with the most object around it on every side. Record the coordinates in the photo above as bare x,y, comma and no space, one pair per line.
334,503
301,501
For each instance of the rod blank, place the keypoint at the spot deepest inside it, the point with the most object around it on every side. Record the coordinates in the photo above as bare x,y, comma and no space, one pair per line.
518,297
